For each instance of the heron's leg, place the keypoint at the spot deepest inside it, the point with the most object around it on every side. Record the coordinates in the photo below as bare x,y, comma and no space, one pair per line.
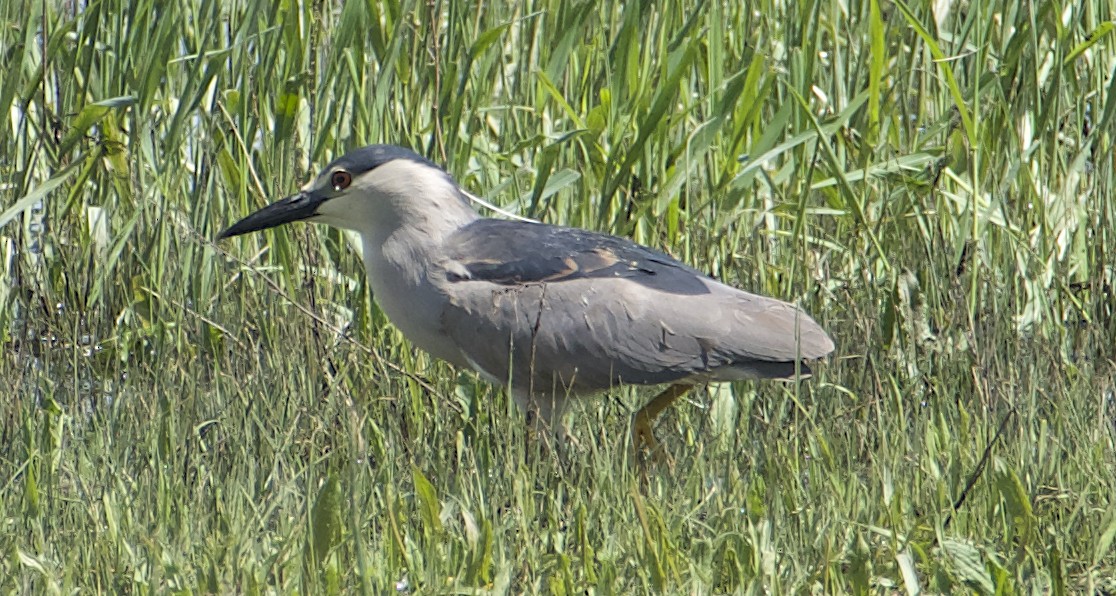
645,418
544,417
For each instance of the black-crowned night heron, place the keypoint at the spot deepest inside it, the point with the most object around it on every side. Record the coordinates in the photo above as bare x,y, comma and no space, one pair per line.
552,312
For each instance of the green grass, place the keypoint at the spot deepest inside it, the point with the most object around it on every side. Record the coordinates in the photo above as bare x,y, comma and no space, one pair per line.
939,190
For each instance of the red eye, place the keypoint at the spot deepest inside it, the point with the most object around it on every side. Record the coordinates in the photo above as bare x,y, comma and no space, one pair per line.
340,180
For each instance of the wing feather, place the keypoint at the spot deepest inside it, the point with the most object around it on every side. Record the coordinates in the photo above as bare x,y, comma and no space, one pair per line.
558,309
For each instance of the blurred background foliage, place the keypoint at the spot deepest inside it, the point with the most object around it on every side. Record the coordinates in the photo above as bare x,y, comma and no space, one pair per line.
933,181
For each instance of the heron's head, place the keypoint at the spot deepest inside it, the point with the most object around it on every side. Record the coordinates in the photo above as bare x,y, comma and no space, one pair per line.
372,190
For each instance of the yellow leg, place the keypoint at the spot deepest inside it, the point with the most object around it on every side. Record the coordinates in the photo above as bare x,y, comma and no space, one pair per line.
643,420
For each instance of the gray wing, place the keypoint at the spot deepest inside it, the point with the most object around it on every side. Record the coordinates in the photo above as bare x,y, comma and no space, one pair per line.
561,309
512,253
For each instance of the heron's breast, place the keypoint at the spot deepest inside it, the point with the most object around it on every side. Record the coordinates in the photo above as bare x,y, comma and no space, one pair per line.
412,303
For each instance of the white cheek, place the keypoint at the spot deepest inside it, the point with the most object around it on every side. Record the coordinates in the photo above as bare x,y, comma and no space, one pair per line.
332,213
348,213
366,216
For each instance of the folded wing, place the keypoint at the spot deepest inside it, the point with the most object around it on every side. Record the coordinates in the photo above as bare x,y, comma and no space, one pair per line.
557,309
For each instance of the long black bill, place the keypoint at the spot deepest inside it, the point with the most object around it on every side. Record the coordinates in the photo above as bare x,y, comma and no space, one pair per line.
292,208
